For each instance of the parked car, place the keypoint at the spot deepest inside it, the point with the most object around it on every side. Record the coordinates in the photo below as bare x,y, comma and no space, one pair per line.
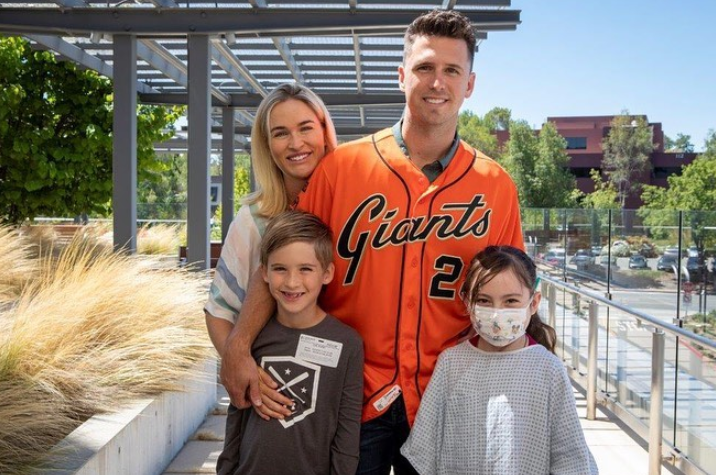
596,251
638,261
672,251
667,262
604,260
695,268
556,257
582,259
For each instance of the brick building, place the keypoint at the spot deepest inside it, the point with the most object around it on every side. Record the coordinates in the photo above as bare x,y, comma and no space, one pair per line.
584,137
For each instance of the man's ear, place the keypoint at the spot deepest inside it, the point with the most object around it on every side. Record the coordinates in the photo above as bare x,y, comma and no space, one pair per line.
401,78
328,274
470,84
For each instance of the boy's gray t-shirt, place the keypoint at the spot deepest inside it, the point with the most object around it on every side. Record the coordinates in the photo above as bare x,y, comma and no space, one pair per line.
326,383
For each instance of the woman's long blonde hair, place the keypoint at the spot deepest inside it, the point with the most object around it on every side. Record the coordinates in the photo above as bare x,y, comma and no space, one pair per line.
270,194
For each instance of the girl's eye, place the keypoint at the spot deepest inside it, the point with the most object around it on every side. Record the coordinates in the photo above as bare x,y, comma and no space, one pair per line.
483,302
278,135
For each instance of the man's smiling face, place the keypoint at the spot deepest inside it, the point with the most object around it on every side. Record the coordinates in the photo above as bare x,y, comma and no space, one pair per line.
436,78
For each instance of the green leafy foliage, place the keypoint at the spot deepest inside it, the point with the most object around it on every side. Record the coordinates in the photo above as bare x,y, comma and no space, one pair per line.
164,195
681,144
536,162
478,132
56,136
693,191
538,165
604,196
626,153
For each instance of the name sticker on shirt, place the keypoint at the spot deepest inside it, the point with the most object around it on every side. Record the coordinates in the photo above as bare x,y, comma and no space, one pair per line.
387,398
319,351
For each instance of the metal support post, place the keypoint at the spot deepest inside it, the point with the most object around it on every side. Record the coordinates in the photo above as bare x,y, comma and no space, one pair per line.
199,112
227,171
552,306
657,402
124,144
592,361
576,344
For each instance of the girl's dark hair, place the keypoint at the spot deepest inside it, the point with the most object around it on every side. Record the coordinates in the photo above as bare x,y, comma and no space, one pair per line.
494,260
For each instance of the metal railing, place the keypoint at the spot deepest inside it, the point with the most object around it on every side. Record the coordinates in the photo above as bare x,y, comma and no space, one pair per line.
697,453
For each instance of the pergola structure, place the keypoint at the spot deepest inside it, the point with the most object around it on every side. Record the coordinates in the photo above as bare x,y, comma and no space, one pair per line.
221,58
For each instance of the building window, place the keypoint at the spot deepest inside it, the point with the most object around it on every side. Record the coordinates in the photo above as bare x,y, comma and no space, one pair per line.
576,143
582,172
666,172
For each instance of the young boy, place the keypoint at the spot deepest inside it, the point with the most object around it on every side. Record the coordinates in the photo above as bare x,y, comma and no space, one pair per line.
317,361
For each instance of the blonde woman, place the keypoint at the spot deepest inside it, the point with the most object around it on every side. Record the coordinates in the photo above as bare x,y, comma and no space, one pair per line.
291,134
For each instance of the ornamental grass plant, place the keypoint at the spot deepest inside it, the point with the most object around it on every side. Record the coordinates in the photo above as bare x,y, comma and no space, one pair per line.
91,330
18,268
159,239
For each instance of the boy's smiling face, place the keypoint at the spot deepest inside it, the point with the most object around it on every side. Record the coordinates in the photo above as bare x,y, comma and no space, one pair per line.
295,278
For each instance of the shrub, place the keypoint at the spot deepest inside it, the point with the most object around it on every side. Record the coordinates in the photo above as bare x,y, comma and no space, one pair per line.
91,330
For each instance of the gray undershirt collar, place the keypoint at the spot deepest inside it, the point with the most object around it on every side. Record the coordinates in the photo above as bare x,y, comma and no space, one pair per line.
431,170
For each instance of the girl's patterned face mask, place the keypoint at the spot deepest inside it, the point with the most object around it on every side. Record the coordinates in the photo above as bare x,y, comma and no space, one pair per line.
500,326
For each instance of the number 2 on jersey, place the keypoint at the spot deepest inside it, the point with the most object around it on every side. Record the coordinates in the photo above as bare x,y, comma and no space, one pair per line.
448,270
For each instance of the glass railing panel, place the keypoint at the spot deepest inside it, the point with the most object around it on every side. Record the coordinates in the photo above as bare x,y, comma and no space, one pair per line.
694,411
630,364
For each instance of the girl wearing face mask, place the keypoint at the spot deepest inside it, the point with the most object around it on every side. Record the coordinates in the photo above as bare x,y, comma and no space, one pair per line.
500,402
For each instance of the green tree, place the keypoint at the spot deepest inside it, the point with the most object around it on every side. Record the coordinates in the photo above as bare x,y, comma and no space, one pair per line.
538,165
693,191
604,196
164,196
499,118
478,132
682,144
710,144
56,136
242,182
553,183
626,153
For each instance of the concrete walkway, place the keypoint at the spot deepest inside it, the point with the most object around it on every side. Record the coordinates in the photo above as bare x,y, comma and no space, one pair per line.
616,450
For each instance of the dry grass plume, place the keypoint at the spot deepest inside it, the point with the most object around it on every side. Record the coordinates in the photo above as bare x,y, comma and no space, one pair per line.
159,239
18,268
90,331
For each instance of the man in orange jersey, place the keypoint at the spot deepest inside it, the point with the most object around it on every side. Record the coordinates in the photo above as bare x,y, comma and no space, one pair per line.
409,207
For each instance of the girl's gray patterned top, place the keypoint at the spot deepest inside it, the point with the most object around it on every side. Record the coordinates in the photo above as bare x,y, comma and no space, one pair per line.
498,413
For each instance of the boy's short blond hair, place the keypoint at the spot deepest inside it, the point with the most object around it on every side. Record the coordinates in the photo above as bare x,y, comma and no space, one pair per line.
298,226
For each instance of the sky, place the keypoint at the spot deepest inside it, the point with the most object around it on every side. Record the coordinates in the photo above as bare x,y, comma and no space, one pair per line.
600,57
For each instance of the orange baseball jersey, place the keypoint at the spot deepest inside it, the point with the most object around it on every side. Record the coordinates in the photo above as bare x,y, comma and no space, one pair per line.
402,245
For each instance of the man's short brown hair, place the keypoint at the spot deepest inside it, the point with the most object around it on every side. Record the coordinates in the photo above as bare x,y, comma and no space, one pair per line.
298,226
441,23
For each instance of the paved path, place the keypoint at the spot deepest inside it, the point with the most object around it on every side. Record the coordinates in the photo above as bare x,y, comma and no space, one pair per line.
616,451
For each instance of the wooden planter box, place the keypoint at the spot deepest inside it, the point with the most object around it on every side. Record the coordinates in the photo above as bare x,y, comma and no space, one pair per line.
141,438
214,253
